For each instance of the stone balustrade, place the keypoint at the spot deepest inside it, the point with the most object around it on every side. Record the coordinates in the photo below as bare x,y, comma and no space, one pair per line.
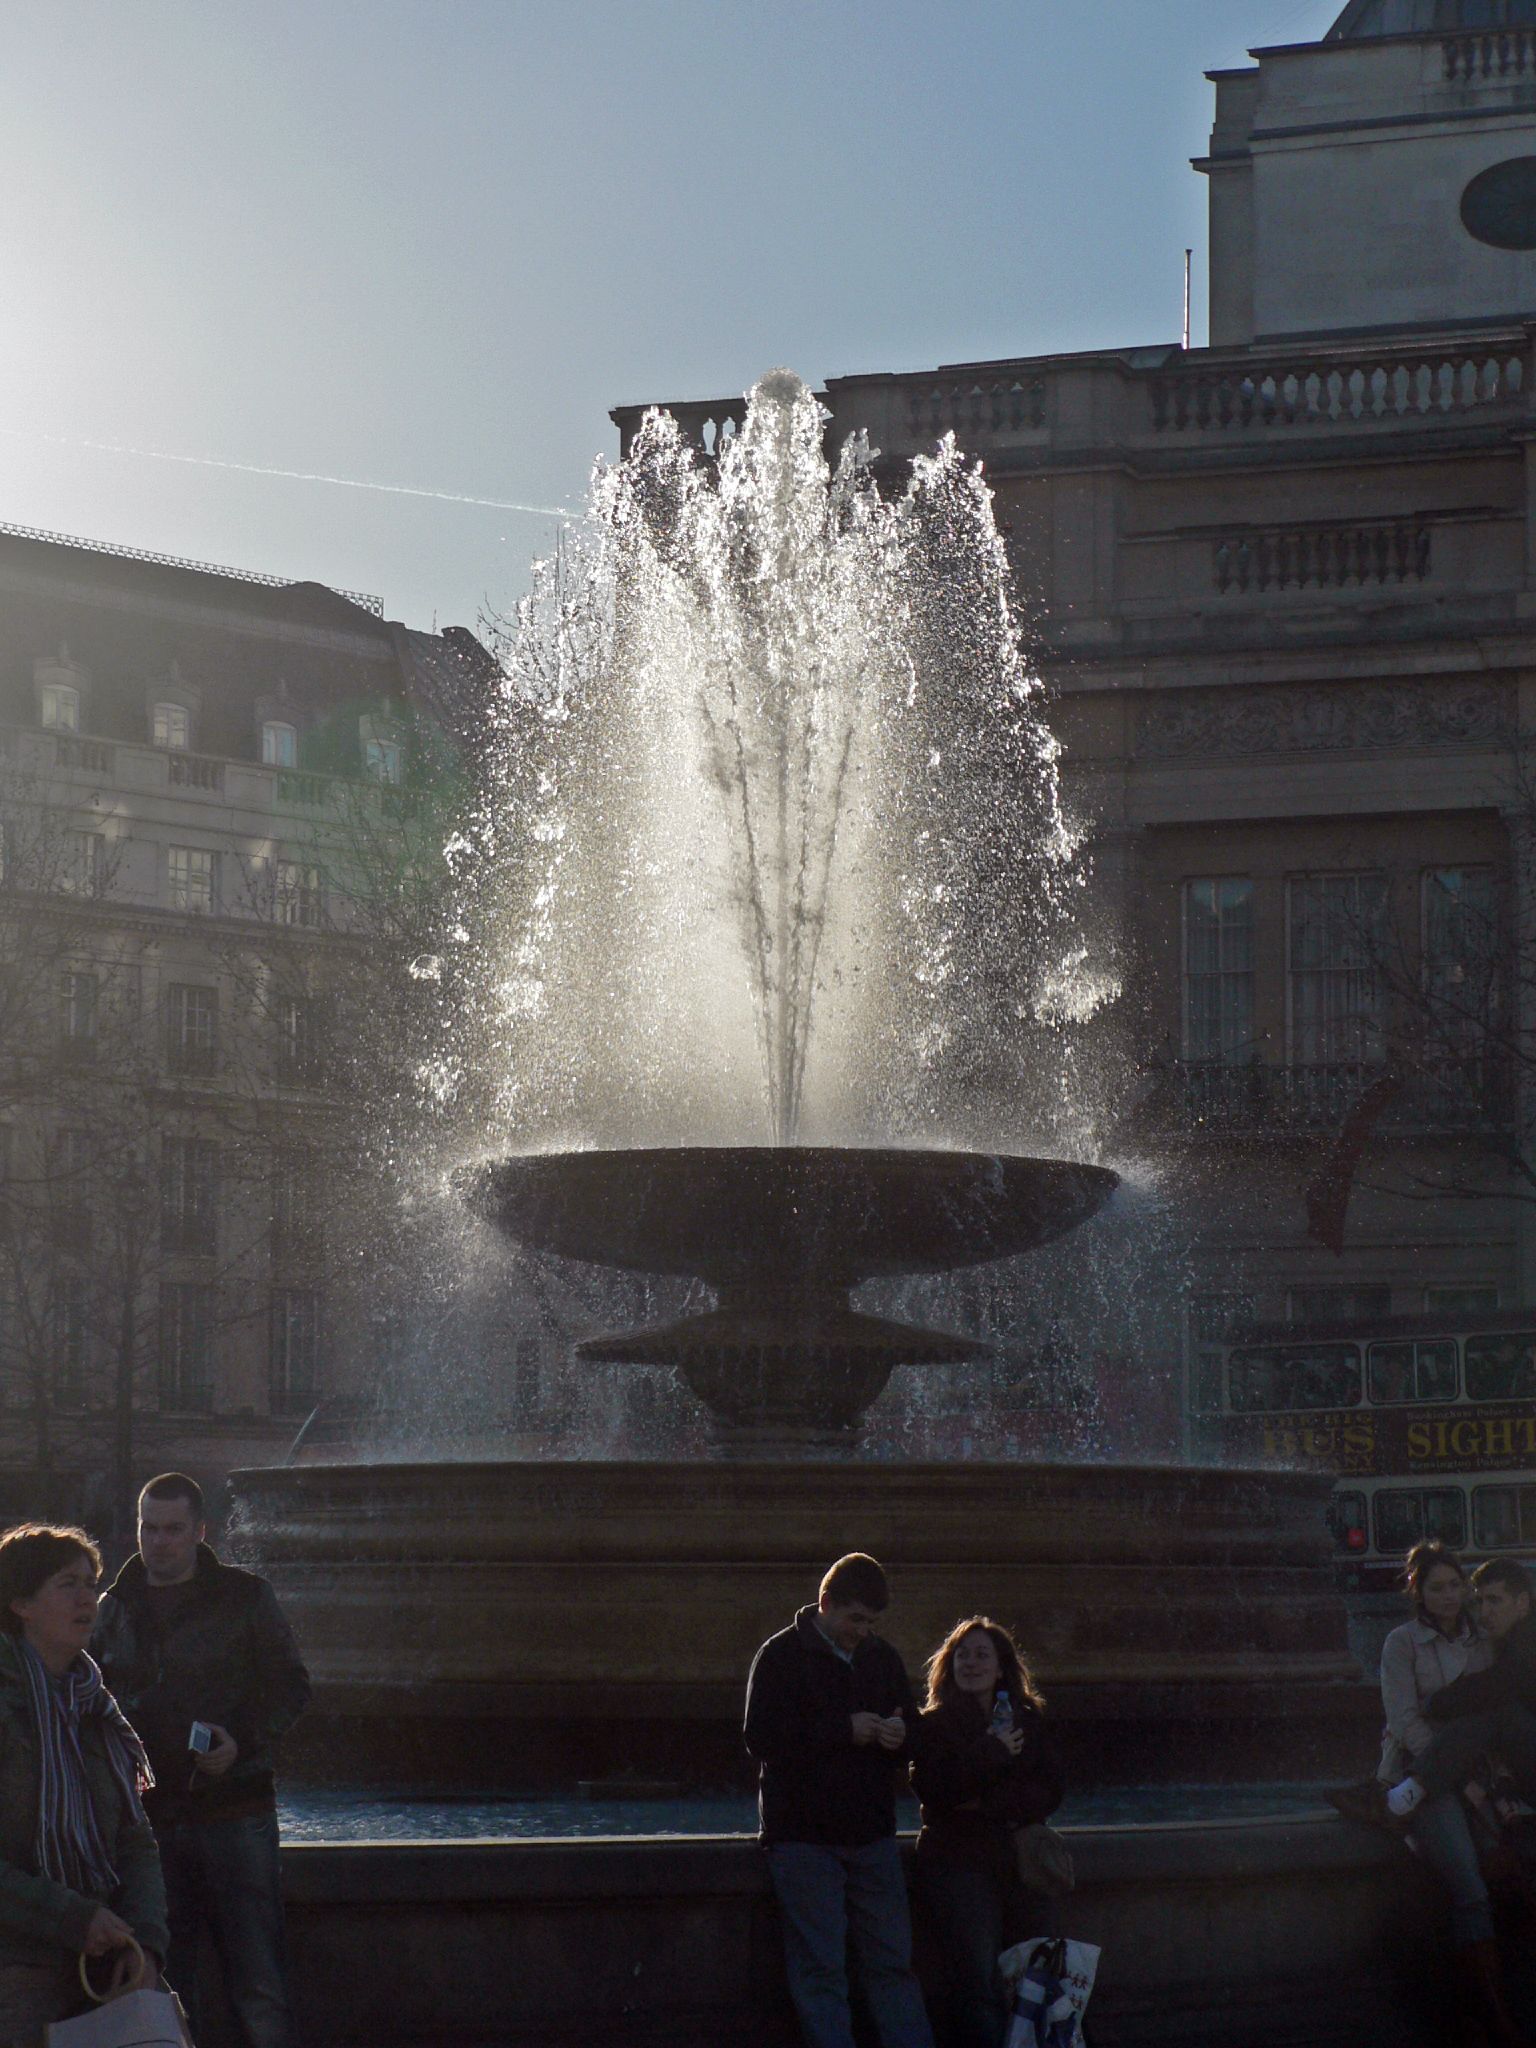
1322,557
1492,54
1357,390
977,409
195,771
1469,1092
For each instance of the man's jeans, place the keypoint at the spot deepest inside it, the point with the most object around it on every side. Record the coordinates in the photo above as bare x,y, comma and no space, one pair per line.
1443,1834
222,1881
837,1901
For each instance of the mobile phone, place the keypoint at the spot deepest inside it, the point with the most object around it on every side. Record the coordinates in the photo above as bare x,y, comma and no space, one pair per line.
200,1741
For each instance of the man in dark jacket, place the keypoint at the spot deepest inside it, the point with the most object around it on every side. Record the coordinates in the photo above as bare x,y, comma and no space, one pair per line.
185,1642
831,1722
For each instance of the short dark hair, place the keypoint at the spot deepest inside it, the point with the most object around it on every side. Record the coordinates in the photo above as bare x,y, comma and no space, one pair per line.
30,1554
175,1486
1506,1572
856,1581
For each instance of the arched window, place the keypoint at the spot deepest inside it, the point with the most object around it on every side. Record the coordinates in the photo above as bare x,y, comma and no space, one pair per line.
279,744
61,707
173,727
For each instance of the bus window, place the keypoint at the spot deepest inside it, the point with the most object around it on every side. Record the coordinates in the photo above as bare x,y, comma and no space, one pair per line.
1321,1376
1495,1517
1413,1372
1402,1517
1347,1523
1501,1368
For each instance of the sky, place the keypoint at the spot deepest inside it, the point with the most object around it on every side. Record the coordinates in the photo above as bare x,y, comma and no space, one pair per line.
428,243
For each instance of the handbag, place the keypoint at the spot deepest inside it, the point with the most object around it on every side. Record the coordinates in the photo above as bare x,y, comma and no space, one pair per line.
134,2019
1052,1981
1043,1860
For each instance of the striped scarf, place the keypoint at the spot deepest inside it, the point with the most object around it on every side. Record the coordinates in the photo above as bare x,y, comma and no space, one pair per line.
68,1844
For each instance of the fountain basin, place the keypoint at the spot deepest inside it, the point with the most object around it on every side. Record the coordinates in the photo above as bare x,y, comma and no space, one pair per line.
784,1365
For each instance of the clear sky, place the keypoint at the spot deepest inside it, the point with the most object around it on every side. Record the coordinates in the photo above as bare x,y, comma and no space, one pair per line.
428,243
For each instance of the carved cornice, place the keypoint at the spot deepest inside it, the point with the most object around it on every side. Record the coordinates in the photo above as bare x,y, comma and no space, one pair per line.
1436,712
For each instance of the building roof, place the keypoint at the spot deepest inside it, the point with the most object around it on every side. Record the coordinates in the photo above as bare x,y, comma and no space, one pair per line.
1366,20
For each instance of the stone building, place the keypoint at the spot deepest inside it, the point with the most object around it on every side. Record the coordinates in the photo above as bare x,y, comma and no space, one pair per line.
209,783
1284,587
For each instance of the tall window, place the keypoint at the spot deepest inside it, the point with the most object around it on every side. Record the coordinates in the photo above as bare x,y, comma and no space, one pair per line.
298,1040
1218,970
279,744
72,1168
67,1340
61,707
82,863
172,726
1337,926
191,1028
384,761
1461,953
189,1194
295,1215
294,1355
192,872
80,994
296,897
187,1316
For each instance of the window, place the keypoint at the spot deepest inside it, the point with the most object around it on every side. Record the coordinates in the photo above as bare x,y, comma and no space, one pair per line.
192,873
1218,971
79,996
295,1213
1413,1371
61,707
191,1028
1404,1515
1273,1378
1364,1304
294,1356
172,726
67,1340
384,761
1336,929
187,1317
1461,1301
1212,1321
1501,1368
71,1178
298,1040
82,863
189,1194
279,744
1459,918
1347,1522
1504,1517
297,896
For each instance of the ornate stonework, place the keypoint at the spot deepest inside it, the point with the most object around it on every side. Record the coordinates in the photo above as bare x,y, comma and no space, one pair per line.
1287,720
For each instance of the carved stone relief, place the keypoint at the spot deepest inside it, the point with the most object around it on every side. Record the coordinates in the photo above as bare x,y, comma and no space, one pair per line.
1284,720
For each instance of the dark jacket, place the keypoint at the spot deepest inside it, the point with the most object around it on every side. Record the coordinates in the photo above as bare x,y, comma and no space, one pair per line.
815,1783
40,1920
973,1793
1510,1679
228,1657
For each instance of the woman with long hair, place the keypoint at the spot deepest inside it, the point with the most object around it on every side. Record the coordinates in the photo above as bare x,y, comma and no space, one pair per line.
986,1767
79,1870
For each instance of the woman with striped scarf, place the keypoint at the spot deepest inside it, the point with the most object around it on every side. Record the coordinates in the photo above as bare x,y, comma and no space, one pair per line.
79,1870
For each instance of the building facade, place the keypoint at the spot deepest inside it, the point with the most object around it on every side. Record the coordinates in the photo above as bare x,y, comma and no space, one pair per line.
210,791
1283,589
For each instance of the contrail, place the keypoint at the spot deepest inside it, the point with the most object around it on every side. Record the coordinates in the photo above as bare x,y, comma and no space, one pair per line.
298,476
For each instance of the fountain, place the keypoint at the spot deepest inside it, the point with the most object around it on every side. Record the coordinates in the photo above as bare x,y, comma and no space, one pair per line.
770,971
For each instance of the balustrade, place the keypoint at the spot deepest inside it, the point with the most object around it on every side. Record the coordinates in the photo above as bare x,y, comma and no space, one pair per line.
195,771
308,790
92,755
975,409
1495,53
1323,557
1454,1092
1412,384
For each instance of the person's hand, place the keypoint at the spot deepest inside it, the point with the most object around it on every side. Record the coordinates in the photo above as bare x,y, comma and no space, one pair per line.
1012,1739
866,1728
1474,1794
107,1932
125,1974
218,1759
891,1730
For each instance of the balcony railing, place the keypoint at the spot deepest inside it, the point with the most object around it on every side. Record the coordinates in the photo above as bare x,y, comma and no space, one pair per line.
1323,557
1495,54
1454,1093
977,409
95,756
1411,383
195,771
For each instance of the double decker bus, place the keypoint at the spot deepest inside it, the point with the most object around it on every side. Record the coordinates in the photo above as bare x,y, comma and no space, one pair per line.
1427,1422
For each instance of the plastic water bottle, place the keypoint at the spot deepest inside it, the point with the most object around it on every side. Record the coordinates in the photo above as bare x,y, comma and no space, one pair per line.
1002,1714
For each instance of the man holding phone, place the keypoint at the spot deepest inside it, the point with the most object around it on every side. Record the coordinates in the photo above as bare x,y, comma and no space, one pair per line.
831,1722
206,1668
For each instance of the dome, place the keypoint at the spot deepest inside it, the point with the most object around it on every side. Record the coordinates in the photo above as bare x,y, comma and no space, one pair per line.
1364,20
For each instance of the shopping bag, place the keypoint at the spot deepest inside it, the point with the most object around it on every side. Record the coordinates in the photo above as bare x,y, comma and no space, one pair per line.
137,2019
1051,1980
